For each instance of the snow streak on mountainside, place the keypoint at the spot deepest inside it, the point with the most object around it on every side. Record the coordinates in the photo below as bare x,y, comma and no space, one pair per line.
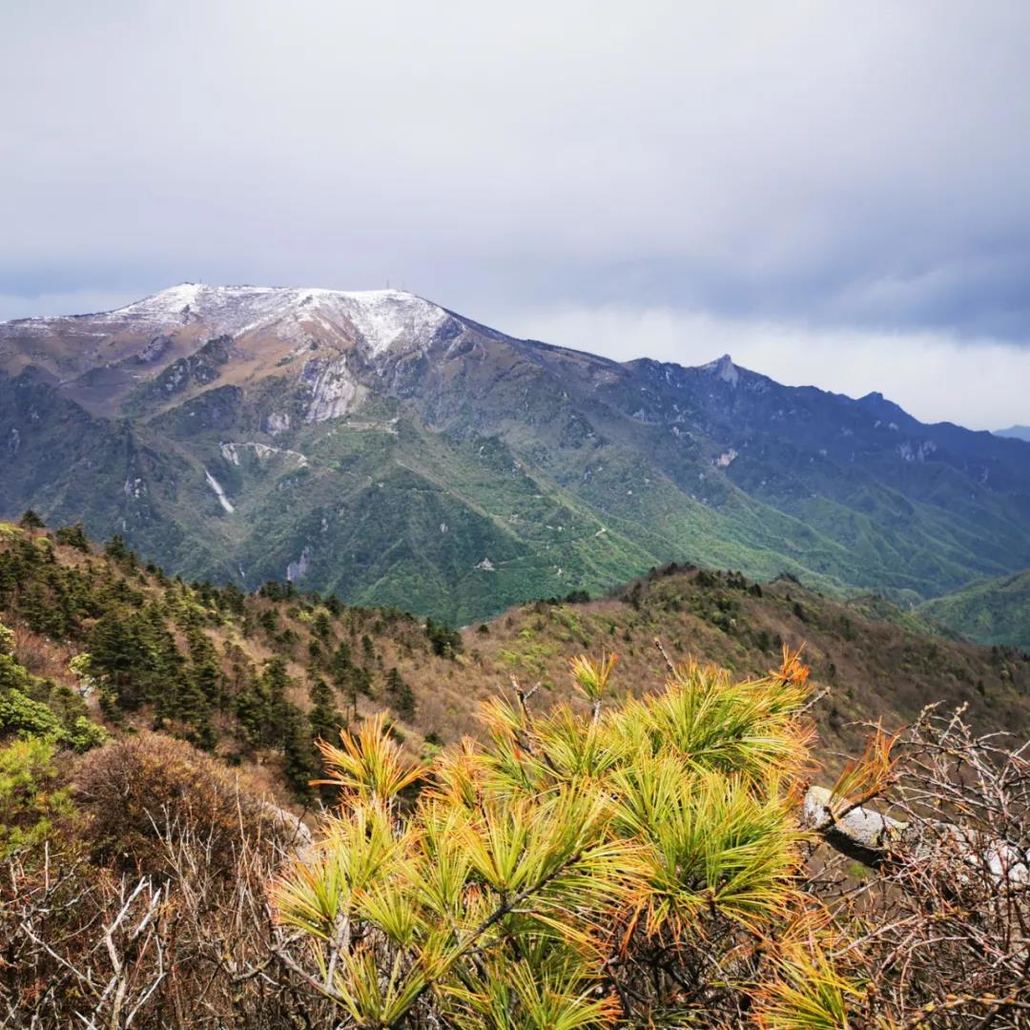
379,445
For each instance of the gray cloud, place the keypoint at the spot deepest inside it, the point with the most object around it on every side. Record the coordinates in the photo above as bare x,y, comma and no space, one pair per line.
851,168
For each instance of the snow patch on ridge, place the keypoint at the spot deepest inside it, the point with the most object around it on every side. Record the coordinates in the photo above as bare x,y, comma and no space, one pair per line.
276,423
385,316
231,452
916,451
379,320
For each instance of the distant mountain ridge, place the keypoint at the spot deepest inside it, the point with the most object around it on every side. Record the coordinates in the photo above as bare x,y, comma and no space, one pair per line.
393,451
1015,433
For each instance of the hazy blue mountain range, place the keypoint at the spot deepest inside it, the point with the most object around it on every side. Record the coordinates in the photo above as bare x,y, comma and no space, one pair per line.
380,446
1015,432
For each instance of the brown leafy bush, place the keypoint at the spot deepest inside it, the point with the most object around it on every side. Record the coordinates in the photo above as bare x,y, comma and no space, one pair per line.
154,913
943,928
83,946
135,790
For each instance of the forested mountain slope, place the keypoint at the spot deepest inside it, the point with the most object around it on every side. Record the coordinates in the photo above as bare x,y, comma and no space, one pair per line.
996,611
396,453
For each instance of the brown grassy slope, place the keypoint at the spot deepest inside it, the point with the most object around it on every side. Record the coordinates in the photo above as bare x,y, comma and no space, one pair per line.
870,668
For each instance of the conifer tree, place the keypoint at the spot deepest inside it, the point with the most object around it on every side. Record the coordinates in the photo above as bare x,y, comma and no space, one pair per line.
321,626
368,648
30,520
117,550
200,689
340,665
300,757
73,536
446,642
324,717
400,695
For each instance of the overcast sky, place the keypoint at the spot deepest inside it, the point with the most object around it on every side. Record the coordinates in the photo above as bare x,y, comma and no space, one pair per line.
835,193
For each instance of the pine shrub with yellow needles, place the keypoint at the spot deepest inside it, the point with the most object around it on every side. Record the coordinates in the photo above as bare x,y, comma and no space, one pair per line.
640,866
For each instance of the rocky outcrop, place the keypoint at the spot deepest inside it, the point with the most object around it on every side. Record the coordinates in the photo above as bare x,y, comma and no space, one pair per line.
869,836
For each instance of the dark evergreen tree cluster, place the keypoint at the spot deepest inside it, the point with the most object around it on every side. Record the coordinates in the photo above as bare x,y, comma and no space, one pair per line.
161,652
444,640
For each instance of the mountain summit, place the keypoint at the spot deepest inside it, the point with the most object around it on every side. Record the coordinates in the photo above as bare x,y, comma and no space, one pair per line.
724,368
378,317
381,446
375,321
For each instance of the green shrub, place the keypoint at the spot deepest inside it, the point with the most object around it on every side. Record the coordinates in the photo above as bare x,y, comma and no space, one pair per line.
22,717
31,802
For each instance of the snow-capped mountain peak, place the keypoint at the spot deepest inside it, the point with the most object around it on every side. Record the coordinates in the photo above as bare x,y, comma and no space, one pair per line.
381,318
